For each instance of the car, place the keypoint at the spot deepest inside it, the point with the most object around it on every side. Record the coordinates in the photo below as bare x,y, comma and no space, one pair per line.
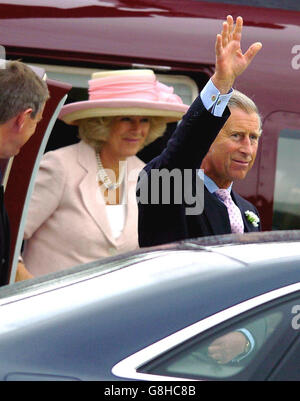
151,315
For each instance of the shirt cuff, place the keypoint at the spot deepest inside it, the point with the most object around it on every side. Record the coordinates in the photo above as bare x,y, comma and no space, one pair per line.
213,101
251,340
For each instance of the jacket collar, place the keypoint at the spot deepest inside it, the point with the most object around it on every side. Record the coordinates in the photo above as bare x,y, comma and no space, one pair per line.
94,201
219,219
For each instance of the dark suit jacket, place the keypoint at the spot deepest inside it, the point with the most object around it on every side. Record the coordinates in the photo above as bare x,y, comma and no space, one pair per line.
4,240
162,223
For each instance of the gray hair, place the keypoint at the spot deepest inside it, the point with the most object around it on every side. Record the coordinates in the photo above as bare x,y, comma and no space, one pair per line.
243,102
95,131
21,88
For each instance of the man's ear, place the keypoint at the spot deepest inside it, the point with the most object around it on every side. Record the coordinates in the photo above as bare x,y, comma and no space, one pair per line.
21,118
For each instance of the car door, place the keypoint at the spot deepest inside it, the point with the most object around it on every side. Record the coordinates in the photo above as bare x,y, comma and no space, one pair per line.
187,354
289,367
19,172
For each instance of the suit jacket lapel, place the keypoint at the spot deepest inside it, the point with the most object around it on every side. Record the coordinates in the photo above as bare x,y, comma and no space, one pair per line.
243,206
216,213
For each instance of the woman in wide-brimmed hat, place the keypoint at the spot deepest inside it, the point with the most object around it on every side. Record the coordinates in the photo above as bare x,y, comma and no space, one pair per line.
84,205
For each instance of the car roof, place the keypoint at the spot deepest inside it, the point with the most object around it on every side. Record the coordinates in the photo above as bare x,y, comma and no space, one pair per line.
242,266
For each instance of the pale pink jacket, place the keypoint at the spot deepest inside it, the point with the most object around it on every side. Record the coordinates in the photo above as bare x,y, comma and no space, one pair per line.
67,223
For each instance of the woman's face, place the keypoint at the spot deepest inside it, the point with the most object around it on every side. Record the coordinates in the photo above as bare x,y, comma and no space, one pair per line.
127,135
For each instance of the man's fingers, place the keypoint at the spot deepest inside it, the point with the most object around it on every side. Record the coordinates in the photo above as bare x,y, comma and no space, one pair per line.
224,34
214,348
230,26
237,32
252,51
218,45
231,32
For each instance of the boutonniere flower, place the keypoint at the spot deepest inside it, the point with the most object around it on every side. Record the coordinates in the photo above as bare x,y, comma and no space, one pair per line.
252,218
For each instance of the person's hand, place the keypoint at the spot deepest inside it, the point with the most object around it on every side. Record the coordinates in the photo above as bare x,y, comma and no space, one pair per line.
230,61
227,347
22,273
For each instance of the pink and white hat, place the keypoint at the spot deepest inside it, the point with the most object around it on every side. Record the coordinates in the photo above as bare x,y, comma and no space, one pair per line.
126,92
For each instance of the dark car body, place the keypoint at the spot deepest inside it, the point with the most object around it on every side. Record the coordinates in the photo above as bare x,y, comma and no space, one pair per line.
177,38
140,316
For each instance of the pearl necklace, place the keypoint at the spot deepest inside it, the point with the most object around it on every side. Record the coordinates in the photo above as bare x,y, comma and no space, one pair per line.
103,177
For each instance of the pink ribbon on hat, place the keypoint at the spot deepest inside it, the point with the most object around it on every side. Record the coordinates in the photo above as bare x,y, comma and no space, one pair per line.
143,87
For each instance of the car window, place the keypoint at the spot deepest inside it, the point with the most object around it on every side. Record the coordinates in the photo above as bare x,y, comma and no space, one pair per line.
183,85
278,183
268,330
287,186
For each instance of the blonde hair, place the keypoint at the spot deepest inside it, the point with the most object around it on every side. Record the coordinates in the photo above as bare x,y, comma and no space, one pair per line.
95,131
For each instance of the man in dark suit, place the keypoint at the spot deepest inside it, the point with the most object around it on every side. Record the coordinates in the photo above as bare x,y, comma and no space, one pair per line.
22,99
222,141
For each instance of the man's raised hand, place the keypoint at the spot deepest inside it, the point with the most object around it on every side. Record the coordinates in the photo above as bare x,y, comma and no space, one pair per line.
230,61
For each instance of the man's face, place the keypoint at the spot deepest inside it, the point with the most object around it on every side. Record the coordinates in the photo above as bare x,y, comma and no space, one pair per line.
12,140
233,152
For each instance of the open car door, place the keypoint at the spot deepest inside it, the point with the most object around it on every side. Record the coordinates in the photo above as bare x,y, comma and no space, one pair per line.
19,172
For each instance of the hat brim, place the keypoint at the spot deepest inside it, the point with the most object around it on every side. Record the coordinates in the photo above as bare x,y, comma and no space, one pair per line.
73,112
